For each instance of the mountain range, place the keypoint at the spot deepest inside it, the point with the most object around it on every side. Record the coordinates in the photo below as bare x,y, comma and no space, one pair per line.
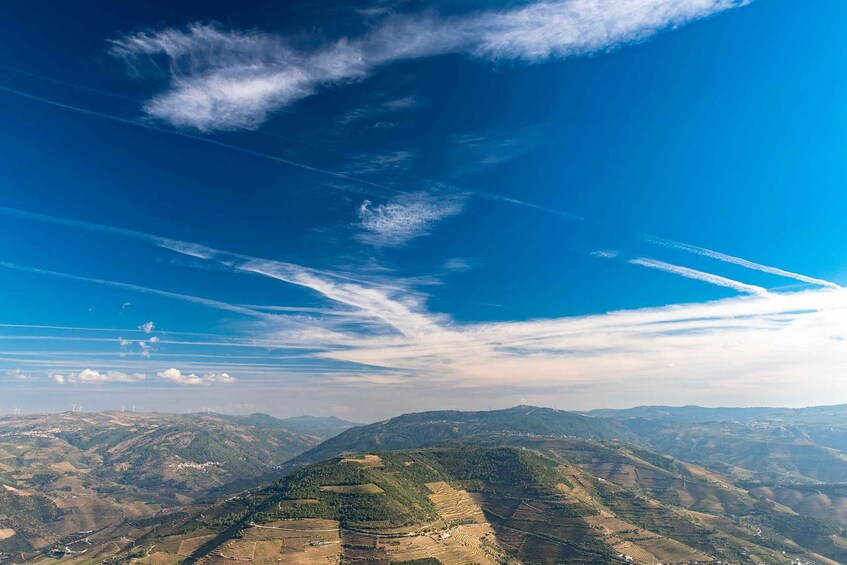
521,485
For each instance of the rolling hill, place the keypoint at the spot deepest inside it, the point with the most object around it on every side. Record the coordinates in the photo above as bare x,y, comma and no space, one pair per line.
71,472
439,427
524,485
491,505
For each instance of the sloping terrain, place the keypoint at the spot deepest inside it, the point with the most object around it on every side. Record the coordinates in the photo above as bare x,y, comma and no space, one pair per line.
699,414
525,485
480,505
67,473
767,451
440,427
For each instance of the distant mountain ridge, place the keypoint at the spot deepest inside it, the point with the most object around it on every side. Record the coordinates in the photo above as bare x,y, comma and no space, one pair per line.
424,429
524,484
70,472
692,413
322,426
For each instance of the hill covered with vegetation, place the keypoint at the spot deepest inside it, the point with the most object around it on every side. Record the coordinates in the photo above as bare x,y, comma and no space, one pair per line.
561,501
71,472
472,428
524,485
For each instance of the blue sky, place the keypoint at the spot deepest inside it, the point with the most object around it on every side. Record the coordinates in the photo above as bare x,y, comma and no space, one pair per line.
363,209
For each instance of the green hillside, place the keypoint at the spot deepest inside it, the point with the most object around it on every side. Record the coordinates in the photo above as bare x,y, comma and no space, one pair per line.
564,500
66,473
523,485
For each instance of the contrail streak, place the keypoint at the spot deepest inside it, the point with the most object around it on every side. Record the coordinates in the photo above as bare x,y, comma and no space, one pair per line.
177,246
143,289
260,154
738,261
72,85
185,135
699,275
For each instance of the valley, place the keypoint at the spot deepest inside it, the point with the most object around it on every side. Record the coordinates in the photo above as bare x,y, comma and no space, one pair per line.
525,485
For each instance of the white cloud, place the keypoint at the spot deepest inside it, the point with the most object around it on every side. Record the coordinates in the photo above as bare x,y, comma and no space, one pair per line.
19,375
379,110
699,275
147,327
394,162
458,264
89,376
145,348
605,253
772,347
406,217
228,79
232,79
682,351
177,376
472,153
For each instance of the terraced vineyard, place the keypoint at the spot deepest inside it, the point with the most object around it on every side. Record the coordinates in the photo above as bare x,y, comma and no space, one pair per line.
490,505
492,497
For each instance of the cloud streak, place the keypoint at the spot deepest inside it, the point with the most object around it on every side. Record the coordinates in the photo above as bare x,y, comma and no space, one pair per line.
229,79
145,290
699,276
684,351
739,261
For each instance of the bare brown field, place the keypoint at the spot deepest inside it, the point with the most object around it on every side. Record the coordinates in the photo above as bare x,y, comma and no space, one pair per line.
636,552
6,533
368,488
668,550
454,505
294,542
159,558
363,548
821,559
188,546
469,543
365,460
16,491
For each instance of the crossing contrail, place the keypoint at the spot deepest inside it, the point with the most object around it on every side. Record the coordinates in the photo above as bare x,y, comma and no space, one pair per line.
738,261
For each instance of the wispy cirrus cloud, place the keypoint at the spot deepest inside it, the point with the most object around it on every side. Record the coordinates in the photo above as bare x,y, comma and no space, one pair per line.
379,163
404,218
378,111
710,351
732,344
459,264
472,153
224,79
